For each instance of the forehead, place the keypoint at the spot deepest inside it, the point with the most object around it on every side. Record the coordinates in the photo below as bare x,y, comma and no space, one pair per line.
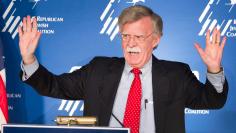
141,26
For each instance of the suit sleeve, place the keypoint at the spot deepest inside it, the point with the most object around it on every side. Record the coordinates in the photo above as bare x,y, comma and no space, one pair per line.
202,96
65,86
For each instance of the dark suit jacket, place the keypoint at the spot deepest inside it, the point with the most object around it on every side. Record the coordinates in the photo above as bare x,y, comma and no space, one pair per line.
174,88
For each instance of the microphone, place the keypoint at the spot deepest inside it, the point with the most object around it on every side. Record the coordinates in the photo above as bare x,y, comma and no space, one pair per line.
118,120
76,120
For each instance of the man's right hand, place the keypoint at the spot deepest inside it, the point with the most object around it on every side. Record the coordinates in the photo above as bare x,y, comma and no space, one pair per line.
28,39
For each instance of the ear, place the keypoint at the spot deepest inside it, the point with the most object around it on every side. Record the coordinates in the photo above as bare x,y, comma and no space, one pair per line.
156,40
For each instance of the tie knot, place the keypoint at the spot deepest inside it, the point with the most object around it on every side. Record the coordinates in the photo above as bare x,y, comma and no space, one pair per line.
136,71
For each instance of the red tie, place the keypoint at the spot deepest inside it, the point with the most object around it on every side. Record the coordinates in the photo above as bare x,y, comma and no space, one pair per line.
133,105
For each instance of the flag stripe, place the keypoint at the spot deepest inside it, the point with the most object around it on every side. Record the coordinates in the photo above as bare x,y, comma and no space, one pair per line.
3,100
2,118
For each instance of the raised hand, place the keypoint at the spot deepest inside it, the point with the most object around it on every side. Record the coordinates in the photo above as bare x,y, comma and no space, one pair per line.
213,52
28,39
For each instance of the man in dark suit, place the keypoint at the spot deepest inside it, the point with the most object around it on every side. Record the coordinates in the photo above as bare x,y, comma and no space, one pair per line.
138,91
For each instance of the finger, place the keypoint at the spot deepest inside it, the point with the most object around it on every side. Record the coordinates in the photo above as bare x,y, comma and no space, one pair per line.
214,36
208,37
29,24
223,42
24,24
20,31
220,52
218,37
36,40
200,51
35,27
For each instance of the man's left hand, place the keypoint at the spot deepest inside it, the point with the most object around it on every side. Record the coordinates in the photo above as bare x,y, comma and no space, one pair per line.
213,52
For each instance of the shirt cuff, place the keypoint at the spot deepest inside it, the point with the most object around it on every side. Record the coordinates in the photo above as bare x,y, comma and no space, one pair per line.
29,70
217,80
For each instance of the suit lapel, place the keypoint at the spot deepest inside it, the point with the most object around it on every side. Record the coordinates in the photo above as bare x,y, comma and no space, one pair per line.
109,89
160,93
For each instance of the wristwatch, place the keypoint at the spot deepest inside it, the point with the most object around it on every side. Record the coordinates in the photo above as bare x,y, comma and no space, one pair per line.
221,70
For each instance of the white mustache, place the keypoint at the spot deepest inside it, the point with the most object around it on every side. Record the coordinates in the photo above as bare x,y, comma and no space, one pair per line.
133,50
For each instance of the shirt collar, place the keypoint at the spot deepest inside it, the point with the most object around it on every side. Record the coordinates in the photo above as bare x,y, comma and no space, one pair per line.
146,68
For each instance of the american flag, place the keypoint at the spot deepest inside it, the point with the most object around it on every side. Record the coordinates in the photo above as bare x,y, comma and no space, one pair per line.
3,94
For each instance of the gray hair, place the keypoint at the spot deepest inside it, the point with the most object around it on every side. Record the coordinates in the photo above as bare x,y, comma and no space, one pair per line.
136,12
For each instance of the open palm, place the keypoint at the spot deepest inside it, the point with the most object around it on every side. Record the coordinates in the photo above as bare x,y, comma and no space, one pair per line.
212,54
28,39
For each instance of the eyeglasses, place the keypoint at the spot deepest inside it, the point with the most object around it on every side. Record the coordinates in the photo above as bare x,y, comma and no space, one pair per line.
137,38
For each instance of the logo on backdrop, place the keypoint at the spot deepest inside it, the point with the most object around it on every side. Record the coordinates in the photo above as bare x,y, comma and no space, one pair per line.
35,2
12,21
70,106
135,1
109,17
209,20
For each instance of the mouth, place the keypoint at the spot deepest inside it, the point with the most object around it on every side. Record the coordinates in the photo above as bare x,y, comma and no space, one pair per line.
133,51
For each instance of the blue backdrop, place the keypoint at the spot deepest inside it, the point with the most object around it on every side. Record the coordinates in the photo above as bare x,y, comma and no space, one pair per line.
75,31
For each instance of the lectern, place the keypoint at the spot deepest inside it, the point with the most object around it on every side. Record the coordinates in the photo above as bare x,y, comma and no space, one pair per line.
19,128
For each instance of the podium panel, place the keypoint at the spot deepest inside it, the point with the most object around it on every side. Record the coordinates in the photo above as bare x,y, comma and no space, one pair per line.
10,128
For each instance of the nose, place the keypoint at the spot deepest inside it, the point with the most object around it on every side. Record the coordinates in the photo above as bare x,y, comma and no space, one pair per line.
131,42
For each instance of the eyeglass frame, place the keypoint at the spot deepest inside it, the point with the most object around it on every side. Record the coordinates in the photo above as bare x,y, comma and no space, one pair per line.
136,37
